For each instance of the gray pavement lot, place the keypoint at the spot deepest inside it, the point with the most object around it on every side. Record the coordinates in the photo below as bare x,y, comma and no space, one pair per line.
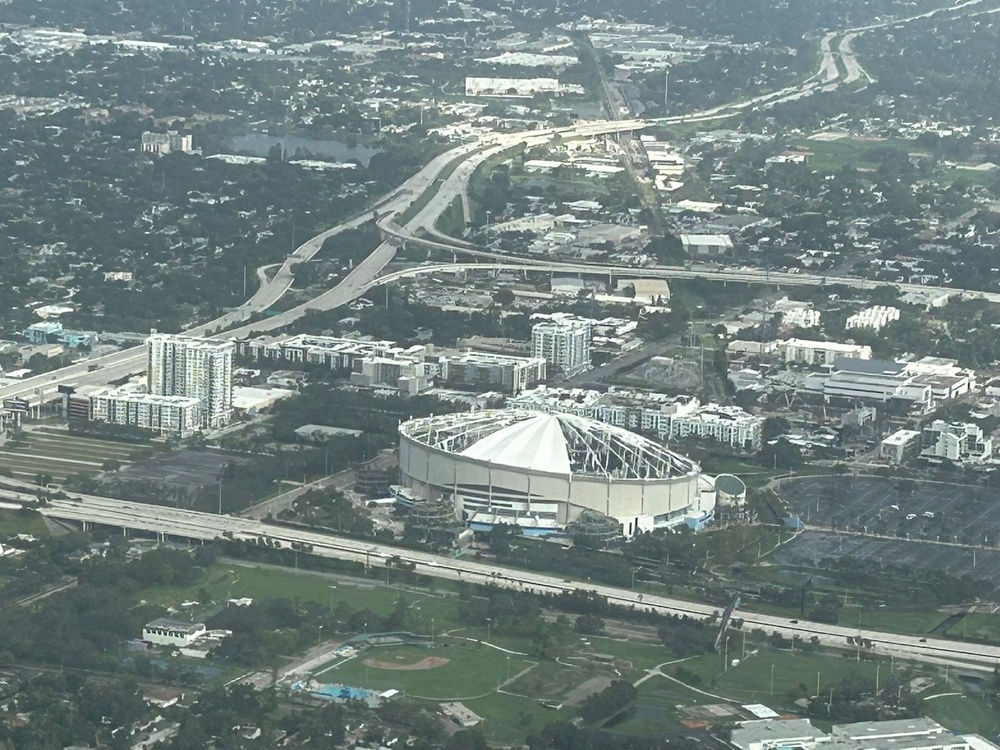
187,468
811,548
963,514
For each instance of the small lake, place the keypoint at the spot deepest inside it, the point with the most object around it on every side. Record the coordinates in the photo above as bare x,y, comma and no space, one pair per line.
258,144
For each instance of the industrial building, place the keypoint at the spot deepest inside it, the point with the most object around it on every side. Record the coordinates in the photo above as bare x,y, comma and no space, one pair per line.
541,471
667,417
487,371
196,368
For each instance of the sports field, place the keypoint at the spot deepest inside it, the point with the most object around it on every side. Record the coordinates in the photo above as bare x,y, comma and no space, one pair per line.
60,455
461,670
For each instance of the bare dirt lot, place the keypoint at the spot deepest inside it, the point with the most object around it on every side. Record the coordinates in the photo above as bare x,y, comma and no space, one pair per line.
430,662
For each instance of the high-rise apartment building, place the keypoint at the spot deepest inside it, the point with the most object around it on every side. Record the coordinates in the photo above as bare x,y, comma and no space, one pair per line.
563,341
196,368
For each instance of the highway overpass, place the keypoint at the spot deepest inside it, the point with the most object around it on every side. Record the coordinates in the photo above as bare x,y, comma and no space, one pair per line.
193,525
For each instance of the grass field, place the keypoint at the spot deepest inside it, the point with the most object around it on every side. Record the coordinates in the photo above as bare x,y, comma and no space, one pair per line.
237,581
22,522
750,680
509,717
979,626
472,671
61,455
963,713
908,623
830,156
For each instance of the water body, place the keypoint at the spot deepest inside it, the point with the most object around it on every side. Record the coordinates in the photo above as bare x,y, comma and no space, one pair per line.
258,144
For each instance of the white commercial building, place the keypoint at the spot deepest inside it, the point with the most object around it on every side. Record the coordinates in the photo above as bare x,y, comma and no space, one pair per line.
900,445
487,371
166,632
871,380
960,442
806,352
894,734
925,383
705,245
524,88
563,341
666,417
177,416
196,368
161,144
877,317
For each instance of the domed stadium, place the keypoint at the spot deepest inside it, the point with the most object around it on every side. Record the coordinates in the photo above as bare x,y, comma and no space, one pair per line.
541,471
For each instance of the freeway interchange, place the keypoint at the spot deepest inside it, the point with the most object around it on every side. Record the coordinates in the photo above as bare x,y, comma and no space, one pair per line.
194,525
443,180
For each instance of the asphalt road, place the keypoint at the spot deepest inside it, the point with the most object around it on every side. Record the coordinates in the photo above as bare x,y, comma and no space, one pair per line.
204,526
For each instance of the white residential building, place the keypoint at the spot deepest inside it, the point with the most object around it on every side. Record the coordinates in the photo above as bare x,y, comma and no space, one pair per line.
177,416
161,144
196,368
667,417
563,341
405,372
806,352
327,351
960,442
877,318
489,371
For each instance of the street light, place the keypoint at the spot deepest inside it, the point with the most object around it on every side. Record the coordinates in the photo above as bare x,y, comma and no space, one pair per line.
319,635
634,571
489,627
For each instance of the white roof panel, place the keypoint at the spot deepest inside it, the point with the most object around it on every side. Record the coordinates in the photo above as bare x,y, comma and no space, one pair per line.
535,443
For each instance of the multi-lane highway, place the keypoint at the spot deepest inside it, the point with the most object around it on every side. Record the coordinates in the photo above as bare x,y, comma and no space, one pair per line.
187,524
111,367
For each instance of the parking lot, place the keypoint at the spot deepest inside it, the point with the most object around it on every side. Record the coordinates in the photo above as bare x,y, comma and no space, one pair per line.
188,469
811,548
935,511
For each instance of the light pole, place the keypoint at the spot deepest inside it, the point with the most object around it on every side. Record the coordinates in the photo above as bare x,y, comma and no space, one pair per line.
488,215
332,587
432,632
489,627
319,636
634,571
772,679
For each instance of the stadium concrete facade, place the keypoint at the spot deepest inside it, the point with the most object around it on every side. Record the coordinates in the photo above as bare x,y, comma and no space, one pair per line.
542,470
